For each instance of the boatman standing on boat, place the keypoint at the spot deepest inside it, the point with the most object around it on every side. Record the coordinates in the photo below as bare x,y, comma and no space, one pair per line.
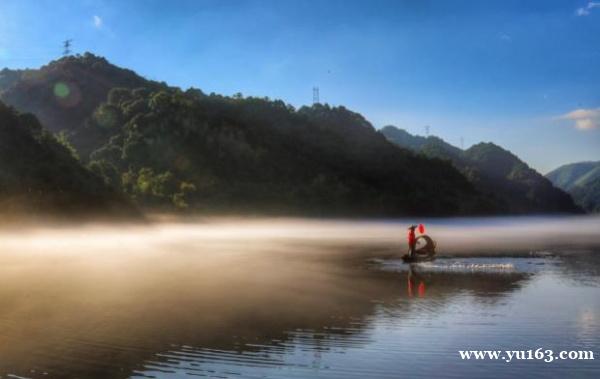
412,240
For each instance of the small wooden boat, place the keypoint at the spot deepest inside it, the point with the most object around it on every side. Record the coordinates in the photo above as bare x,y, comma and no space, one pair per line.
424,252
419,258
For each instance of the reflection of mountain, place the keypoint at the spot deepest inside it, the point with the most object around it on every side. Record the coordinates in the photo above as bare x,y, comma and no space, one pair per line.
89,319
376,297
481,285
582,267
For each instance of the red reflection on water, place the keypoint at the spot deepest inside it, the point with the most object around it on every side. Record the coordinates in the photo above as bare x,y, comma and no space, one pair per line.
415,280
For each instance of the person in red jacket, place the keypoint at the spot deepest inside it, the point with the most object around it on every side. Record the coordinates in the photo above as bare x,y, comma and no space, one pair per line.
412,240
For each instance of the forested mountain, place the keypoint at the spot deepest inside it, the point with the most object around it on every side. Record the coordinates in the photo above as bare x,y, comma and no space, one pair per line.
176,149
582,181
40,175
9,77
188,149
494,171
65,92
574,175
185,149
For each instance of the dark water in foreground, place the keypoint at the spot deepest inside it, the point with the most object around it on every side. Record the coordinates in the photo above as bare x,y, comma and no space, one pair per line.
297,299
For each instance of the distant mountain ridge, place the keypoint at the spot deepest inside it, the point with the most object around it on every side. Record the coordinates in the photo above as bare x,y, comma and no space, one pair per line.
575,174
494,171
582,181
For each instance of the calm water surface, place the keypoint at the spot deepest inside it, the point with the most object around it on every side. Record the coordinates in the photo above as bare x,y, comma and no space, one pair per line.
297,299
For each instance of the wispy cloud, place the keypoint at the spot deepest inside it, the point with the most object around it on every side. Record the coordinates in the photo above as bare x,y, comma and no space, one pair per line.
585,119
97,21
505,37
586,10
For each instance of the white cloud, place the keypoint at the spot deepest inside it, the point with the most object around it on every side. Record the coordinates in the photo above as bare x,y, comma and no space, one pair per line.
505,37
585,11
585,119
97,21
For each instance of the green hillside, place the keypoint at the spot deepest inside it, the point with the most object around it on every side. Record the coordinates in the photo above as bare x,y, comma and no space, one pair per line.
63,93
493,171
190,150
582,181
173,149
38,175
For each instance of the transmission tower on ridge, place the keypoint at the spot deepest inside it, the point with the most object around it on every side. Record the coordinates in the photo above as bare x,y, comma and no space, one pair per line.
316,95
426,130
67,47
462,143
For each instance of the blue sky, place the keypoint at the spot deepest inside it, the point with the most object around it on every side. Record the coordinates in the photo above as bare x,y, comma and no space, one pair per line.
523,74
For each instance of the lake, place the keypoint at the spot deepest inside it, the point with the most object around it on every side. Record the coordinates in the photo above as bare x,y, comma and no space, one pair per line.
294,298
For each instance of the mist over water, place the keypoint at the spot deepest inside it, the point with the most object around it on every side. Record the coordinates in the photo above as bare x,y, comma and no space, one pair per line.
281,298
453,235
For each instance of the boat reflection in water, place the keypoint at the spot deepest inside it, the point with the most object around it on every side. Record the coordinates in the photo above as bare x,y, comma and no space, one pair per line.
415,280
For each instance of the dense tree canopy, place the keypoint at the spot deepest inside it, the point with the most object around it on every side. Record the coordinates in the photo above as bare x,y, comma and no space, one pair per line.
173,149
502,176
65,92
186,149
38,173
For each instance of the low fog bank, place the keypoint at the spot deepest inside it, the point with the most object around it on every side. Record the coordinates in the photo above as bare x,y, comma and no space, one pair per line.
453,236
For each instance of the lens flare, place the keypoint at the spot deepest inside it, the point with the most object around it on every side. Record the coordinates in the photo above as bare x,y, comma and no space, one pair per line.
67,94
61,90
106,117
